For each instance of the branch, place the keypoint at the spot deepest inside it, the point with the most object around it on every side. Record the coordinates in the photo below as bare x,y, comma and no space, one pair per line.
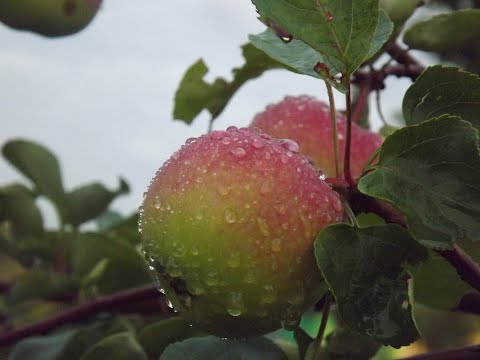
80,312
376,78
466,353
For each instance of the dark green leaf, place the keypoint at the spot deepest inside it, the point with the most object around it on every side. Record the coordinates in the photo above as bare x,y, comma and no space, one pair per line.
121,346
18,205
399,11
39,165
90,201
431,172
446,32
10,269
295,55
156,337
343,31
440,91
345,344
363,267
42,348
303,340
41,285
194,94
108,219
388,130
210,347
127,230
126,267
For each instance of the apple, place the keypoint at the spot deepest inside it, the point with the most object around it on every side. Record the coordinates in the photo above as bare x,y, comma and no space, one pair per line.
48,17
228,225
307,121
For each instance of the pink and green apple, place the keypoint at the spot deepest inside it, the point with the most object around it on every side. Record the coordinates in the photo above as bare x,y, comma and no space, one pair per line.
307,121
228,225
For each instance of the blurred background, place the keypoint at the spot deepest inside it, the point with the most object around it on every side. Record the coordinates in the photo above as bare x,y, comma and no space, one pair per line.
102,99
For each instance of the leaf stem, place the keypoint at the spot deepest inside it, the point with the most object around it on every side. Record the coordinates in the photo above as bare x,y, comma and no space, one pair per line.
317,344
346,162
333,118
81,312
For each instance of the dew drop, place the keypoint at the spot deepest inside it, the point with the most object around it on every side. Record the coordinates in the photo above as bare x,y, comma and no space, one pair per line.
232,128
290,145
284,158
286,38
239,152
276,245
157,202
235,305
257,144
169,304
230,216
263,226
226,140
329,16
322,174
217,135
162,290
337,205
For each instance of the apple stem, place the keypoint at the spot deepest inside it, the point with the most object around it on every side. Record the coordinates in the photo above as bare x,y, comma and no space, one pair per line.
317,345
346,163
333,117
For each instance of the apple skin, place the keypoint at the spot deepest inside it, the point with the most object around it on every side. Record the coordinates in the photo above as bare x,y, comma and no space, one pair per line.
307,121
50,18
228,225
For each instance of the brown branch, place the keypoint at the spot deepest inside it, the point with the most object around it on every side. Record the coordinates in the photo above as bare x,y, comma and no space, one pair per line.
376,78
401,55
83,311
361,102
466,353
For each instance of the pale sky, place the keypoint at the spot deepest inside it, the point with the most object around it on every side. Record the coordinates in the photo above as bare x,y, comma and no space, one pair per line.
102,99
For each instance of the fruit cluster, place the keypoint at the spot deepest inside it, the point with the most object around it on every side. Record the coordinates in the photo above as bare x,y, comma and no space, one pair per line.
228,222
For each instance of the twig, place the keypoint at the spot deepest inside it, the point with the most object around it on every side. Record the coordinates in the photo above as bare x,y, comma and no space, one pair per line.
361,102
346,161
465,353
377,78
83,311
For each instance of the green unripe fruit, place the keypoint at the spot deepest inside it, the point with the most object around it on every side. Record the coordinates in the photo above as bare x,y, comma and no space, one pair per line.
48,17
228,225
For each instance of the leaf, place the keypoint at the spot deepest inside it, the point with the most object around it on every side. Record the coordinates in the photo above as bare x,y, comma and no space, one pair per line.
42,347
343,31
194,94
382,34
156,337
121,346
363,267
39,165
18,205
440,91
126,268
126,231
295,55
437,284
10,269
90,201
446,32
431,173
345,344
210,347
41,285
108,219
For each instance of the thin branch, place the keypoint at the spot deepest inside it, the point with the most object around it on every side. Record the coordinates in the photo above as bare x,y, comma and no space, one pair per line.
377,78
346,160
83,311
466,353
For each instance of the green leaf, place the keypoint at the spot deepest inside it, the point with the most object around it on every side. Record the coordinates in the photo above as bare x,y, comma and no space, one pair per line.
431,173
10,269
121,346
90,201
156,337
18,206
127,230
446,32
437,284
363,267
42,348
343,31
345,344
126,268
39,165
382,34
295,54
108,219
41,285
440,91
399,10
194,94
210,347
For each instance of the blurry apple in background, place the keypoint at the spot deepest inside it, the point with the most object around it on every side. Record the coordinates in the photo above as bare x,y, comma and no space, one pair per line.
48,17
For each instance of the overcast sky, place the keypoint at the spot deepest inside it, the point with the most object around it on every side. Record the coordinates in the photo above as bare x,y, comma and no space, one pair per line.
102,99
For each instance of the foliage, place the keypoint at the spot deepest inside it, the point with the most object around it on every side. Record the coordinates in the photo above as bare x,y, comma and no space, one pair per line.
91,295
